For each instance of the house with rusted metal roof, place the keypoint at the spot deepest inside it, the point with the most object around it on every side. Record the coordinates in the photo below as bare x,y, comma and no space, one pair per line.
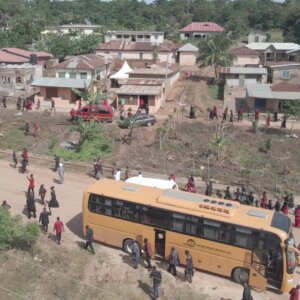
200,30
243,56
127,50
87,66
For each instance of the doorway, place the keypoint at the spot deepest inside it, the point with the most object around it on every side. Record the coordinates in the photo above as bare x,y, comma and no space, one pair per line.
160,243
144,101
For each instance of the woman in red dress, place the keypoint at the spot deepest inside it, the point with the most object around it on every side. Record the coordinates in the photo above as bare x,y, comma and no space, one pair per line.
285,208
190,186
264,201
268,120
297,217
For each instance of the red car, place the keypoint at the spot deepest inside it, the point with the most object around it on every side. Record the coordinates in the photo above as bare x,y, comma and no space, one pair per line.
99,113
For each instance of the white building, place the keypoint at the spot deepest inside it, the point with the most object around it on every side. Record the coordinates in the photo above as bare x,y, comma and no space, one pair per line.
88,66
154,37
71,29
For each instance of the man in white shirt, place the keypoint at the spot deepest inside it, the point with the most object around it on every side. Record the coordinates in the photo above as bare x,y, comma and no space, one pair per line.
117,176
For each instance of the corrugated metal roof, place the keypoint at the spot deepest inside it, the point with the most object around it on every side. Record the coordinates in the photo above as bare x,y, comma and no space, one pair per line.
202,27
138,90
265,91
61,82
277,46
242,70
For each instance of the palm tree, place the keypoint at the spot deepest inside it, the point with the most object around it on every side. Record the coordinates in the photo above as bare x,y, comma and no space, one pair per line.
86,130
214,51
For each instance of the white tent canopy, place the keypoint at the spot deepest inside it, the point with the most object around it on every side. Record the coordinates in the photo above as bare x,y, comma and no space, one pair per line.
123,72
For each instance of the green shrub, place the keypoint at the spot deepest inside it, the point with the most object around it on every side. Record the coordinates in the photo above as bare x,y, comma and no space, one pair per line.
15,234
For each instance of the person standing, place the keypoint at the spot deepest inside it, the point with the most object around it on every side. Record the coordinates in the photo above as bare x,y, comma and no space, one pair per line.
228,195
113,171
256,115
247,293
264,200
231,116
61,172
80,103
209,189
157,278
4,102
117,176
283,123
24,104
268,120
58,229
189,270
44,218
127,173
56,162
173,261
135,254
285,208
42,193
240,114
52,104
277,206
215,112
5,205
99,170
89,235
294,292
31,184
225,113
148,253
14,158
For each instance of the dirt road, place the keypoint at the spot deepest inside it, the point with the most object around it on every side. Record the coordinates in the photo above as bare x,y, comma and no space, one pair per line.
13,186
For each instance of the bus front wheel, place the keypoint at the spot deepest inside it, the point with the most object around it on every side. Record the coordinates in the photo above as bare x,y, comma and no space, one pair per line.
127,246
240,275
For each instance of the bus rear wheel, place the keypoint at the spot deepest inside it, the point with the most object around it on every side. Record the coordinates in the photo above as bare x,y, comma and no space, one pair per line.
127,246
240,275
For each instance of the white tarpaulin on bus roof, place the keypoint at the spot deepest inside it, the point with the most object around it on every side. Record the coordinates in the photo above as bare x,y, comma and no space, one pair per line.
123,72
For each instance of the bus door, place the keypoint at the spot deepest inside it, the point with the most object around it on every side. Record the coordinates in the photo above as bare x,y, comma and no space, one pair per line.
258,269
160,243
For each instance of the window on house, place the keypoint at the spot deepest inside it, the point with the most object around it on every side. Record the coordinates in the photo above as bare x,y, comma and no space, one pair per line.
61,74
72,75
83,75
18,79
119,36
256,38
285,75
126,36
140,37
156,36
141,55
120,54
187,35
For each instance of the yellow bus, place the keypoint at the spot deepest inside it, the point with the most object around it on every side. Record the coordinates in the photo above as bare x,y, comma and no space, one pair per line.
245,243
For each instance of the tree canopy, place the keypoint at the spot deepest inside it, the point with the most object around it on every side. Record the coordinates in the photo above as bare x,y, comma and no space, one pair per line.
24,19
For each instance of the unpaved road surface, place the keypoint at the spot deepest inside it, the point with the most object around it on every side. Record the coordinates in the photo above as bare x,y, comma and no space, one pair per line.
13,186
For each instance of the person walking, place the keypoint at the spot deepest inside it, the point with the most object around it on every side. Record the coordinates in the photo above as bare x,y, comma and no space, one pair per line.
247,293
53,201
173,261
148,253
52,104
24,104
89,235
58,229
297,217
135,254
189,270
225,113
61,172
231,116
264,200
30,203
157,278
209,188
277,206
44,218
4,102
256,115
14,158
268,120
285,208
127,173
42,193
31,184
215,112
240,114
294,292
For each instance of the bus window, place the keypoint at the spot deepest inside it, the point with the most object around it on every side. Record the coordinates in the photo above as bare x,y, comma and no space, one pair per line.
155,217
225,233
242,237
130,211
191,224
211,229
178,222
100,205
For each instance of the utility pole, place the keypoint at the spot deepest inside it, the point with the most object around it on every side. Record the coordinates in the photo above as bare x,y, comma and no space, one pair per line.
166,80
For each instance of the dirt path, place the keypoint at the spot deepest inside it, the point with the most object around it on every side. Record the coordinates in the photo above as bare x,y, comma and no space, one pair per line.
13,186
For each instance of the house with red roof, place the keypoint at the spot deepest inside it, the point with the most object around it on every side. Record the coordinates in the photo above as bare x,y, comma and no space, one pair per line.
18,56
243,56
200,30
